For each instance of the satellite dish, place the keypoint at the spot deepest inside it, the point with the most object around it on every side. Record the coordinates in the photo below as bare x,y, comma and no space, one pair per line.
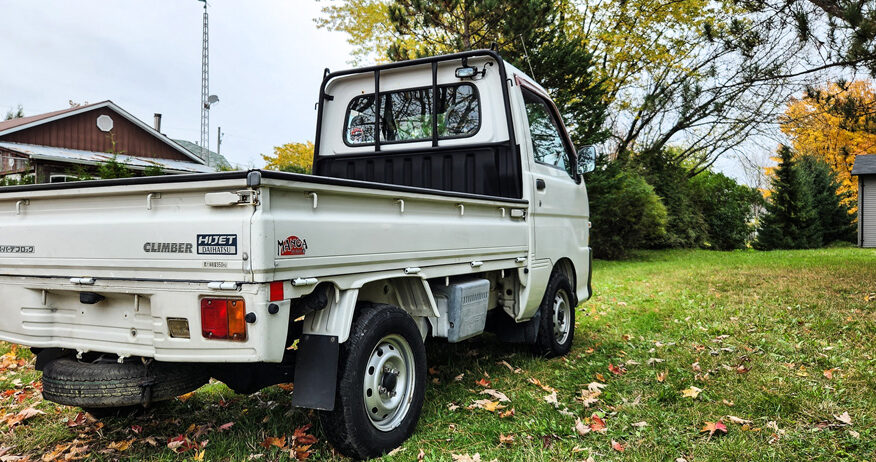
212,99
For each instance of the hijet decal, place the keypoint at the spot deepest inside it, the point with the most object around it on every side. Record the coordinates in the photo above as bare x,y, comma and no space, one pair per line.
292,245
217,244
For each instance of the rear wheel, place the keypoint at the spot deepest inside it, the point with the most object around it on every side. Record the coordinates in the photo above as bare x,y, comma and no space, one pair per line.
556,328
382,381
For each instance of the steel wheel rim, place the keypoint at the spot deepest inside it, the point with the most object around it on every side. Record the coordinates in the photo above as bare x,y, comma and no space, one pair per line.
388,386
562,314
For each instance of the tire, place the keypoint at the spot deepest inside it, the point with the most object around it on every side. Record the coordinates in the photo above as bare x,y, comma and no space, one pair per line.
556,329
385,350
114,386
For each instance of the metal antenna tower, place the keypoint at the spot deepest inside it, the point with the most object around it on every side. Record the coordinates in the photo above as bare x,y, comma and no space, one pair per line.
205,90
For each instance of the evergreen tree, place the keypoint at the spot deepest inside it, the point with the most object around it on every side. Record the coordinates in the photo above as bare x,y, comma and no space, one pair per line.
835,217
790,221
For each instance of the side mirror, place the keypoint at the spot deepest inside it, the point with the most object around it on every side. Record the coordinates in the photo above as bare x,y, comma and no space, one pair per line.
586,159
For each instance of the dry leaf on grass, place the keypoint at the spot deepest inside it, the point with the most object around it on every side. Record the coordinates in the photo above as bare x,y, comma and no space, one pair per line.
552,399
581,428
713,427
691,392
121,446
737,420
506,414
597,424
661,376
506,439
496,394
828,373
544,387
641,424
844,418
617,446
483,382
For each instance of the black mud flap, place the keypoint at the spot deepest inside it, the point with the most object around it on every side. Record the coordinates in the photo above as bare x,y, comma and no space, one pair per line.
316,372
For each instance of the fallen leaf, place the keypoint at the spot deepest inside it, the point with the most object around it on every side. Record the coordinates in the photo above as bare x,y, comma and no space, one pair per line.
615,369
496,394
199,456
600,377
286,386
854,434
741,369
515,370
465,457
828,373
652,361
713,427
661,376
483,382
581,428
136,429
274,442
506,439
186,396
691,392
595,386
452,407
737,420
617,446
597,424
226,426
544,387
121,446
506,414
727,403
421,455
433,371
641,424
300,435
486,405
552,399
696,367
844,418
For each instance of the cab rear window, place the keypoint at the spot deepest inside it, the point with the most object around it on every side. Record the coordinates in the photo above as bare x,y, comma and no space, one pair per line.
406,115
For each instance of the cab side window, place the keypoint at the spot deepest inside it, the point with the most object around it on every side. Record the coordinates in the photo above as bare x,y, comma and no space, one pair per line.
548,145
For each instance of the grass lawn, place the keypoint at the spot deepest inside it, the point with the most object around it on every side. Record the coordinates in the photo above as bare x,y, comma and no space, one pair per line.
782,340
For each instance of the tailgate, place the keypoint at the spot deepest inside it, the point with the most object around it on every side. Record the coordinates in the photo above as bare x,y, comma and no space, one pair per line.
128,230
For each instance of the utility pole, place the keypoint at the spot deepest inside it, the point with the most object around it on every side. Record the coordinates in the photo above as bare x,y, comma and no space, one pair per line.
205,89
207,99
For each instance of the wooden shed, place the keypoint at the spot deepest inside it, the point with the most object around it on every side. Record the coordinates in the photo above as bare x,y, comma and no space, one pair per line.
865,170
52,146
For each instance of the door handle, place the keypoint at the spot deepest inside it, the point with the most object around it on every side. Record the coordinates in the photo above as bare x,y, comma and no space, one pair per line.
539,184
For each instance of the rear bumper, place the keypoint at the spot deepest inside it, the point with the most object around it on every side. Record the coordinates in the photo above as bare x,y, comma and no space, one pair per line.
132,319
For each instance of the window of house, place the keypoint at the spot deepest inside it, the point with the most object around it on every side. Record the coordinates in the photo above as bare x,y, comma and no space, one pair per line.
548,143
406,115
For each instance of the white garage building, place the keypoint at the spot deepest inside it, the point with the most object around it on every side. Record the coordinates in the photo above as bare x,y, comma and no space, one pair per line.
865,170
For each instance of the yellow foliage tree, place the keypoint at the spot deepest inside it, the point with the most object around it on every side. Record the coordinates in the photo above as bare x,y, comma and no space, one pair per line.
291,157
821,124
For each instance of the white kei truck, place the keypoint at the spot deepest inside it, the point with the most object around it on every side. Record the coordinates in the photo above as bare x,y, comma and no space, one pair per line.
446,200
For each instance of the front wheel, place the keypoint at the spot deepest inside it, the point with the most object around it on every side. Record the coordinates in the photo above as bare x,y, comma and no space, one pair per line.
556,328
382,381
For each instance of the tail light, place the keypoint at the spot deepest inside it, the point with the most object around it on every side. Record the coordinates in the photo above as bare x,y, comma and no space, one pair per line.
223,318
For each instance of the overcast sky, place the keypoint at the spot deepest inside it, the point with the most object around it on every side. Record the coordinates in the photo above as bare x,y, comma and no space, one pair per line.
266,63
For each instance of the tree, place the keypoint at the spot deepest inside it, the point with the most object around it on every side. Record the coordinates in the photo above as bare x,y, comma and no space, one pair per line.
625,211
15,113
113,169
684,226
836,219
790,221
657,63
291,157
727,209
835,123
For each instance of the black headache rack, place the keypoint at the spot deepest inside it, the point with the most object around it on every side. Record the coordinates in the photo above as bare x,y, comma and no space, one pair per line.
488,169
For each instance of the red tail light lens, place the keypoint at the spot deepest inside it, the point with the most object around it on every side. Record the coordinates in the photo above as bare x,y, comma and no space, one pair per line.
223,318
